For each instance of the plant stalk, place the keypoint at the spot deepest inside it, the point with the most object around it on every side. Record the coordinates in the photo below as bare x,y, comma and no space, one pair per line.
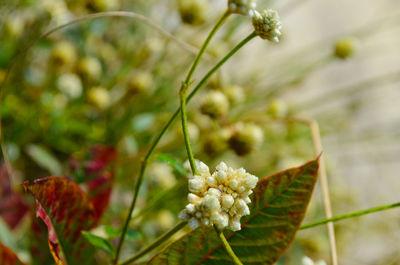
144,162
350,215
227,247
156,243
182,96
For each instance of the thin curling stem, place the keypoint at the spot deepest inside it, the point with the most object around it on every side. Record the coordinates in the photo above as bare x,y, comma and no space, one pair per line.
182,95
156,243
350,215
227,247
144,162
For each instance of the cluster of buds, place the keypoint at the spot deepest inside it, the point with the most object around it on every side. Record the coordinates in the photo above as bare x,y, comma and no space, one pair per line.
220,198
243,7
267,25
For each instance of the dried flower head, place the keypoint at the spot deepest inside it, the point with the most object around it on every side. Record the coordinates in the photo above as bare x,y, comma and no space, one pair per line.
219,198
243,7
267,25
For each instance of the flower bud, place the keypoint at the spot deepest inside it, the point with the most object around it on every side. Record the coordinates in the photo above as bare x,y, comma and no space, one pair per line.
70,84
277,108
193,12
246,138
235,94
193,223
345,47
100,97
90,68
215,104
140,82
196,185
227,201
63,54
267,25
243,7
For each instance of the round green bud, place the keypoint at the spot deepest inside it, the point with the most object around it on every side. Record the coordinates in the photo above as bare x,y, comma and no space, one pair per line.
90,68
267,25
246,137
345,47
235,94
193,12
277,108
63,54
140,82
100,97
102,5
215,143
215,104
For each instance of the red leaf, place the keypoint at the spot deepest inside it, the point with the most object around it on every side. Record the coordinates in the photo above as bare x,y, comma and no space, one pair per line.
8,257
12,206
98,170
67,211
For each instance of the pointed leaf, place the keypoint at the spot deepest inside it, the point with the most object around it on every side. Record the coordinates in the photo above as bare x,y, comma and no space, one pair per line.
67,211
96,174
8,257
172,163
278,207
99,242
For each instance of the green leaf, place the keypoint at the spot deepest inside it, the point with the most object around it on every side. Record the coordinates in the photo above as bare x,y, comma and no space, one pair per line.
278,207
173,163
67,211
44,158
131,234
99,242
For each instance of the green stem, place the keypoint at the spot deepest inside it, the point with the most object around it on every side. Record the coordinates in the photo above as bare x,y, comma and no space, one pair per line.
196,61
350,215
227,247
156,243
182,96
144,162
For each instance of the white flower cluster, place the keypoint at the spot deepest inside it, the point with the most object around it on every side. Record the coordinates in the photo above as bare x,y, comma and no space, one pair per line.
243,7
267,25
220,198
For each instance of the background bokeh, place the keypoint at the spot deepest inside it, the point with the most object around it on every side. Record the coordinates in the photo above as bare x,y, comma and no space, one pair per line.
114,81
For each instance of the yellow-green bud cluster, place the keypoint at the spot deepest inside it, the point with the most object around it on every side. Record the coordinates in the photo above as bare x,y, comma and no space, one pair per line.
245,138
215,104
243,7
267,25
193,12
220,198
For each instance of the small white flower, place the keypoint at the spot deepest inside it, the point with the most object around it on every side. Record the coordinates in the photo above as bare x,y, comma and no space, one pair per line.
196,184
193,223
192,198
227,201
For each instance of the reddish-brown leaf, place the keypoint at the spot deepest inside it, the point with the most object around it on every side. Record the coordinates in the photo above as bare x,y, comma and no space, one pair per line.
8,257
96,174
67,211
12,206
278,207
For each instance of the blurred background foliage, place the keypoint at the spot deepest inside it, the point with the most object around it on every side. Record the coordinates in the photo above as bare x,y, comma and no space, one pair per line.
114,81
